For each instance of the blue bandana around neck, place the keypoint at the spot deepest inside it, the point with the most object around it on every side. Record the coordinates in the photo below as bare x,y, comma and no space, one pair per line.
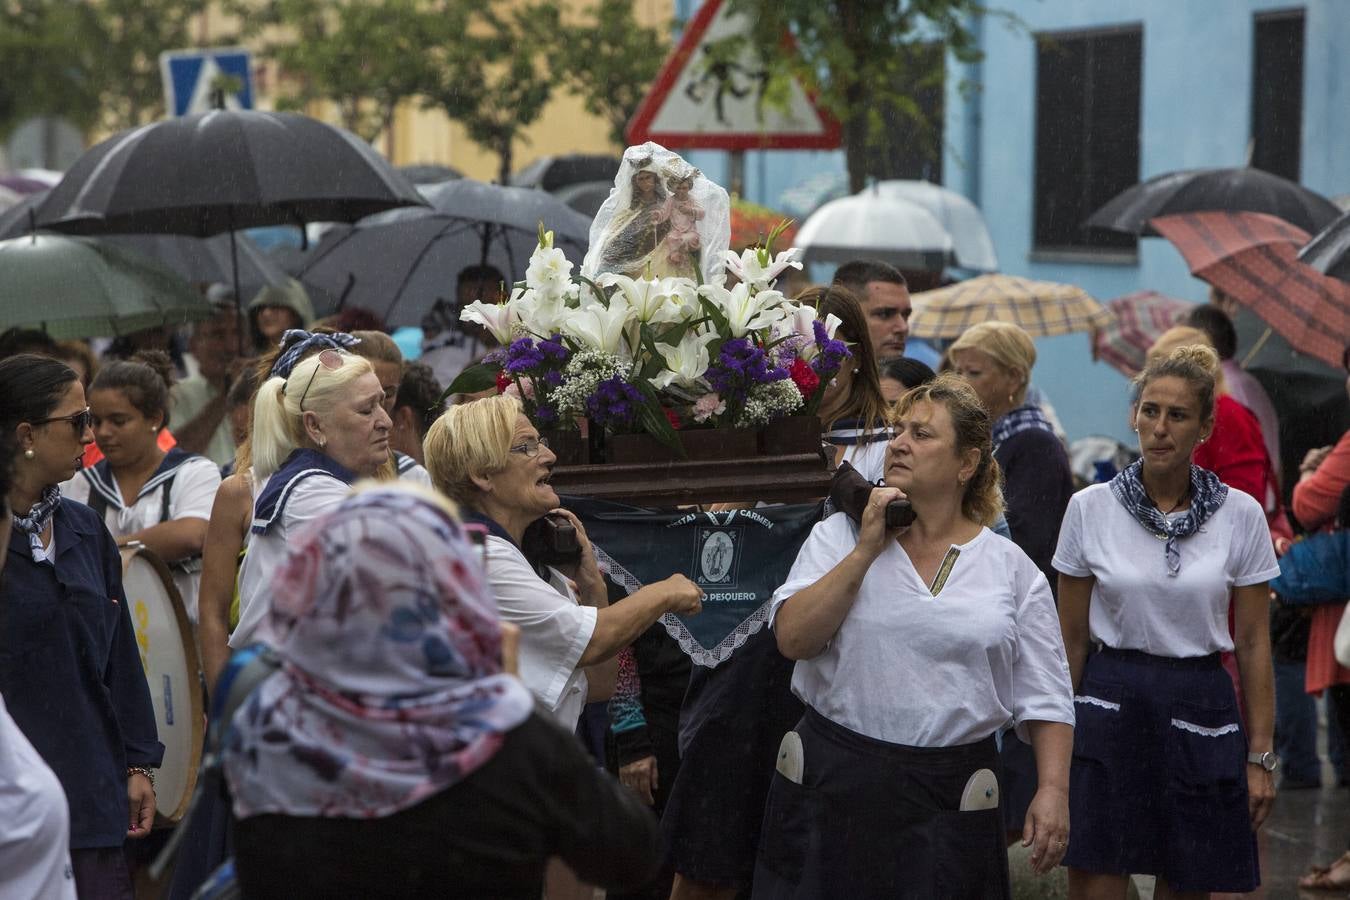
1027,417
1208,493
38,517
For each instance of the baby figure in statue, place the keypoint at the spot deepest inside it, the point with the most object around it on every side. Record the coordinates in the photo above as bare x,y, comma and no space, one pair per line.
679,250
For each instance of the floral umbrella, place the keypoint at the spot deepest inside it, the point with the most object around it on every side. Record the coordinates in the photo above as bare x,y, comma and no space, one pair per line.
1140,319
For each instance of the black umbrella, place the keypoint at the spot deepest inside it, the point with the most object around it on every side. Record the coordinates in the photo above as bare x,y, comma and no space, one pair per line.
429,173
221,171
586,197
1329,252
21,218
206,260
399,264
549,173
1199,190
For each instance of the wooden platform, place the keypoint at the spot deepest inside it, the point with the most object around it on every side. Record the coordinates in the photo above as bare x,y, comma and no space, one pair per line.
795,478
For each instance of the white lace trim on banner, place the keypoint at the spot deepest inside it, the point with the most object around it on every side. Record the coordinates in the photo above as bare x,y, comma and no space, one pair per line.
700,655
1202,730
1097,701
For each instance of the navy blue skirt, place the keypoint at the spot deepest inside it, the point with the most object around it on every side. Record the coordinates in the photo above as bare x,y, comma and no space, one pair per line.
1158,784
873,819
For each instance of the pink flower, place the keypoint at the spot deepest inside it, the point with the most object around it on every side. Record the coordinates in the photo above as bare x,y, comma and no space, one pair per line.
707,406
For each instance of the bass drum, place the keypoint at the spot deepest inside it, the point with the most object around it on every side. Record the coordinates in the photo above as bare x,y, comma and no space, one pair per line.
172,670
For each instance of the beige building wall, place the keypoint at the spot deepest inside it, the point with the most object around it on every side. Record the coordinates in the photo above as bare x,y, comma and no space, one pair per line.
428,136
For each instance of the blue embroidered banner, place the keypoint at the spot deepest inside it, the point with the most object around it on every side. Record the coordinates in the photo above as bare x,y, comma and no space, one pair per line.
739,558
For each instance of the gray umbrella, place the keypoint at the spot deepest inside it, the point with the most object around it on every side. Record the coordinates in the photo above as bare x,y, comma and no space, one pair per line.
586,197
1329,251
401,263
552,172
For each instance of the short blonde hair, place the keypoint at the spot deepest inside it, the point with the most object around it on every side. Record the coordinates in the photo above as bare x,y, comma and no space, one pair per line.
1186,353
278,421
1006,344
470,439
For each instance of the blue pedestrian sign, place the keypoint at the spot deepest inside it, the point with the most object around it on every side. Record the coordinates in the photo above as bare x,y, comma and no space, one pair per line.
191,77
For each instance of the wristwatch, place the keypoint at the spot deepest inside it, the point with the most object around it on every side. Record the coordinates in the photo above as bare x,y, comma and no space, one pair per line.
1268,760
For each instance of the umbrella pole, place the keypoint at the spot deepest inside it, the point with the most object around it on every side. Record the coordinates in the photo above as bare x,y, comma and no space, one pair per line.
234,271
1256,348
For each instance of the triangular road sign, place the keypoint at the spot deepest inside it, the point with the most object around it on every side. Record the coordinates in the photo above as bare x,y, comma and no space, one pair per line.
697,103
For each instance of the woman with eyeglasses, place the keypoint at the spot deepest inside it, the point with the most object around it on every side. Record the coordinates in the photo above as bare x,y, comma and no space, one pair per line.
145,494
70,669
319,425
487,456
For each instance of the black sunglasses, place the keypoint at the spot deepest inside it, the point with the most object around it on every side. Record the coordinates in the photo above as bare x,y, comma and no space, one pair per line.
79,421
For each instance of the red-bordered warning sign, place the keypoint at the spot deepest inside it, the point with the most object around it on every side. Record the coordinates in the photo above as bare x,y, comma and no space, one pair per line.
707,103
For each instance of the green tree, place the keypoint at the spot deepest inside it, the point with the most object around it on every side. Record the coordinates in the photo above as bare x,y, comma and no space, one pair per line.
125,38
492,72
50,69
866,60
609,60
364,56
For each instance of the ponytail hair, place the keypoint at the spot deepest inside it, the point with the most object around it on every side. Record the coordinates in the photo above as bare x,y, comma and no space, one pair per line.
278,420
982,500
145,380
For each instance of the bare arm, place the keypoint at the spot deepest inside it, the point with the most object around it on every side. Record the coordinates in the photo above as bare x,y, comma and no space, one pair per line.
230,518
1046,829
808,620
1075,596
619,625
194,436
171,541
1251,645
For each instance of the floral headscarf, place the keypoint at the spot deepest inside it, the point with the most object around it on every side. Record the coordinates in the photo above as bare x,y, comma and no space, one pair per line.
391,687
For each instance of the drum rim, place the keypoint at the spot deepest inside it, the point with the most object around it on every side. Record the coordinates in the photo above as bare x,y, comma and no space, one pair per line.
197,707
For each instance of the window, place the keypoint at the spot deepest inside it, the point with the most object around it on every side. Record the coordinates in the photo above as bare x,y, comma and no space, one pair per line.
1087,134
1277,93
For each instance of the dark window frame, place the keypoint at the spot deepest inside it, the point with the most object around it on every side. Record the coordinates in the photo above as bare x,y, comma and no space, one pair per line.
1074,242
1286,161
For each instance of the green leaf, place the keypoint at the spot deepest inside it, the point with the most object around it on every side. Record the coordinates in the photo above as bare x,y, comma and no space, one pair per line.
654,421
472,380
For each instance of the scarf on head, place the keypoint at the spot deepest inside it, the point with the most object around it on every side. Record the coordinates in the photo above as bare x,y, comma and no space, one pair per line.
1207,494
1026,417
296,344
38,517
391,686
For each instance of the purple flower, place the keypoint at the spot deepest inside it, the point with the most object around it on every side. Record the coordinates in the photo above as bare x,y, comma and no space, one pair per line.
740,365
545,414
496,357
522,356
614,404
554,349
553,378
832,353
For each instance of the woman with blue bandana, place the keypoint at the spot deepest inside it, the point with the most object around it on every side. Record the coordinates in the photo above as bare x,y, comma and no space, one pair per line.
1167,777
70,669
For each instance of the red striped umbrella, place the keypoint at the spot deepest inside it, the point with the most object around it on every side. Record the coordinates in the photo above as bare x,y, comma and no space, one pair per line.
1141,318
1253,258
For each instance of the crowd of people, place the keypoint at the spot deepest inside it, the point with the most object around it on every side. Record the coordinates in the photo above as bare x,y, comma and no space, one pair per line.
1084,669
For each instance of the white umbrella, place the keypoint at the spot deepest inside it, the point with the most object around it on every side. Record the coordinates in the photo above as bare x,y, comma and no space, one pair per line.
870,226
963,220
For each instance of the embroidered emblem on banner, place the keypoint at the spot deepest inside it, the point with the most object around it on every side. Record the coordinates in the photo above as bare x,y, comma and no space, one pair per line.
719,552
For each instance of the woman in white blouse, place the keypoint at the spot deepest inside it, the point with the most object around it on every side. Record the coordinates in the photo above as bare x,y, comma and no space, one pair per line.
1166,778
144,494
487,456
914,647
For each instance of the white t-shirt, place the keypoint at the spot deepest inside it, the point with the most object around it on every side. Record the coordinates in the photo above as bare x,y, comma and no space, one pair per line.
910,668
191,495
554,629
34,822
311,497
1136,604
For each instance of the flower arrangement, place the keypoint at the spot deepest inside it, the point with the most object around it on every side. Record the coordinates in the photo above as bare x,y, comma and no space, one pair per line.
656,354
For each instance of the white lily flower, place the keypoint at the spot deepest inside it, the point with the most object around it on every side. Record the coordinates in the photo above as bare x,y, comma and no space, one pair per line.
541,313
601,328
653,300
754,267
800,322
549,271
497,318
685,362
746,309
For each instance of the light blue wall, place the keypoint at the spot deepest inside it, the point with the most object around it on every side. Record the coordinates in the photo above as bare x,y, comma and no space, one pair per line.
1195,112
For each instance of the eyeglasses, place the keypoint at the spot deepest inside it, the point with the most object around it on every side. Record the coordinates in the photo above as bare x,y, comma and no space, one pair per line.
79,421
328,359
530,447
